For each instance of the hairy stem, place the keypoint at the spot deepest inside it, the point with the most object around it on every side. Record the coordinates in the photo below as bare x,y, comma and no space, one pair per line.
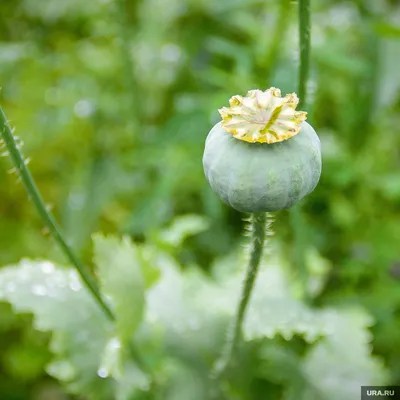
46,216
258,234
296,218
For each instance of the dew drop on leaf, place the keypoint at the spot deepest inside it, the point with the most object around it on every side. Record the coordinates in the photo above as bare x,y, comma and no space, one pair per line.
115,344
102,372
75,286
47,267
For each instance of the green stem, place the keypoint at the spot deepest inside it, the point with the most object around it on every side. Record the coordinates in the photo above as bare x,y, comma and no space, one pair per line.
296,219
48,219
258,233
304,36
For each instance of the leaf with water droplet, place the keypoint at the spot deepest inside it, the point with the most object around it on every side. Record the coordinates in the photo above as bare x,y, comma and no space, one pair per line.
112,360
119,270
342,362
274,310
80,329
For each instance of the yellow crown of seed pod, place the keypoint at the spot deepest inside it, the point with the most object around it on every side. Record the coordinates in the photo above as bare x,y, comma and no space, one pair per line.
263,117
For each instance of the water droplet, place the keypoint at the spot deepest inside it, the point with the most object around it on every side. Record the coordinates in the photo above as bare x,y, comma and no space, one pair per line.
75,286
114,343
39,290
102,372
47,267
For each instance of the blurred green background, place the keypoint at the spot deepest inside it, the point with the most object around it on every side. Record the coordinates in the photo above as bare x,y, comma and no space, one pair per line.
113,100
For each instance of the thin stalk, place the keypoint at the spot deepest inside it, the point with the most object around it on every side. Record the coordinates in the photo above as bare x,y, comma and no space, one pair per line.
46,216
258,234
296,219
304,37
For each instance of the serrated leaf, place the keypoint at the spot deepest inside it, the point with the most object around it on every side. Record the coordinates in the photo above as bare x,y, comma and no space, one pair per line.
186,304
59,302
119,270
334,368
342,362
273,310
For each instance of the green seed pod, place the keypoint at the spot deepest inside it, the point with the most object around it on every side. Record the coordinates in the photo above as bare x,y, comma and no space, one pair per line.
262,156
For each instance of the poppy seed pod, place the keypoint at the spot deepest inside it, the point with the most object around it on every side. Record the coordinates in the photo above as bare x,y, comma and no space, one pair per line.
262,156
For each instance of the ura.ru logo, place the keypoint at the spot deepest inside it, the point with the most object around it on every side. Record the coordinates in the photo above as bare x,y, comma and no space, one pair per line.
380,392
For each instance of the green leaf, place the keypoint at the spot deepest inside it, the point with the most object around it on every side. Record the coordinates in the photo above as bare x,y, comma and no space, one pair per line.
59,302
150,271
273,310
119,269
132,383
112,359
334,368
183,383
388,29
187,304
181,228
129,378
282,365
318,268
341,363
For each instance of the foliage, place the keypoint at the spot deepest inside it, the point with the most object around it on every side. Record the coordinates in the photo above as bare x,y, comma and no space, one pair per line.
113,102
61,305
186,317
